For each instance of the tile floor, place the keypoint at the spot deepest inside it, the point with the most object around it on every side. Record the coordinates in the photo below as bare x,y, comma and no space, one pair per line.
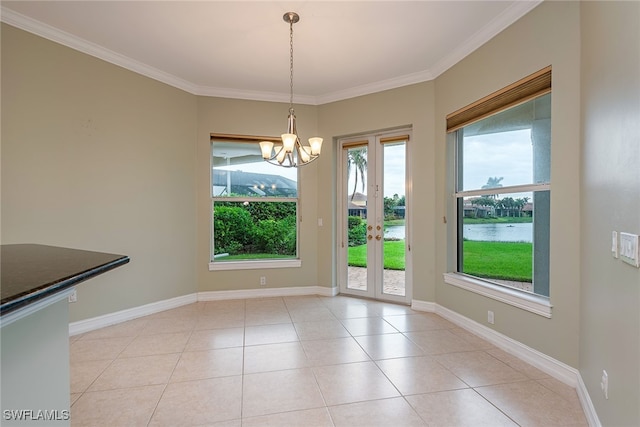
306,361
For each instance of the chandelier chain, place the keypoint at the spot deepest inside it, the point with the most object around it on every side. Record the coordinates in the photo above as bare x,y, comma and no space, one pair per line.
291,65
291,152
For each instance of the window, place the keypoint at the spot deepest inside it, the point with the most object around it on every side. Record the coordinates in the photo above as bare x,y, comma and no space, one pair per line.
254,207
502,193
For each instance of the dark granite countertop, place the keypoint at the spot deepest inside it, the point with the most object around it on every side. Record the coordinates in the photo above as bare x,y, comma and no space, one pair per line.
31,272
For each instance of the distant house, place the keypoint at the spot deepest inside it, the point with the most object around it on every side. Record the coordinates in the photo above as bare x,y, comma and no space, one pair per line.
399,211
227,182
357,205
477,211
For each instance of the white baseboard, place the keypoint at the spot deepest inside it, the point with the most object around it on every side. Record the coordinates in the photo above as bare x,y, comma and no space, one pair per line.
93,323
549,365
267,293
429,307
587,405
555,368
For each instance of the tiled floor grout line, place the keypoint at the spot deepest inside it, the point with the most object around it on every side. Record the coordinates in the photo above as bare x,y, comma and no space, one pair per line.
166,385
494,405
296,308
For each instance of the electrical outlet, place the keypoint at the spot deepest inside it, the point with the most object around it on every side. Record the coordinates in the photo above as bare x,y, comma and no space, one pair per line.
604,384
263,281
74,296
490,317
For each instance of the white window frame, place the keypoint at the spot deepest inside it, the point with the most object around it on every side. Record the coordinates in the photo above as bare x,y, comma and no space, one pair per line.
258,263
534,303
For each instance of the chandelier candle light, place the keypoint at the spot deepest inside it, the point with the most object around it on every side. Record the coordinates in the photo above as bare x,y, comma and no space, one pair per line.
292,152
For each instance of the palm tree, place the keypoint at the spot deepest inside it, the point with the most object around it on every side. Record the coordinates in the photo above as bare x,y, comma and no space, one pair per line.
357,158
519,204
509,205
493,182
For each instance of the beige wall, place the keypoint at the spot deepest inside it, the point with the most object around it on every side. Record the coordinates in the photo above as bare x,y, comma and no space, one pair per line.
610,303
96,157
229,116
548,35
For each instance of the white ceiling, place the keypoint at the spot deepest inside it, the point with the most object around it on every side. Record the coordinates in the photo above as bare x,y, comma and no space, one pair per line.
240,49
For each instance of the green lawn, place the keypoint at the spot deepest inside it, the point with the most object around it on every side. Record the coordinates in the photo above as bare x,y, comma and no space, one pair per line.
253,256
393,255
491,260
498,260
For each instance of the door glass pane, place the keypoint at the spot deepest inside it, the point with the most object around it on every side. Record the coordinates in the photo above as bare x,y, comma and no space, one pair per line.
393,245
356,204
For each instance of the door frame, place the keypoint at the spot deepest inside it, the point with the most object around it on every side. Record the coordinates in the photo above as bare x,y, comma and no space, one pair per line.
374,179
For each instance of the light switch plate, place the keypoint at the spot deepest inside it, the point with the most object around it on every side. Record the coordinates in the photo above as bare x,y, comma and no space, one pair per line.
629,249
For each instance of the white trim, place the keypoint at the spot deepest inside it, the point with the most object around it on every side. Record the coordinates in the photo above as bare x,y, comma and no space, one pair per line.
533,303
547,364
503,20
587,404
251,265
525,188
93,323
74,42
38,305
266,293
375,87
426,306
558,370
498,24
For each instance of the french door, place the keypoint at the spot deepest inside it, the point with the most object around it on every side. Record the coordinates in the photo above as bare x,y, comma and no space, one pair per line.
374,192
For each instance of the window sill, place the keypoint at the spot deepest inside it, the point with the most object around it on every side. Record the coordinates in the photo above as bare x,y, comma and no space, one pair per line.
254,265
533,303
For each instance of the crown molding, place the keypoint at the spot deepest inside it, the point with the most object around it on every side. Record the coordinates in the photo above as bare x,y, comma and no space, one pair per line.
408,79
221,92
48,32
498,24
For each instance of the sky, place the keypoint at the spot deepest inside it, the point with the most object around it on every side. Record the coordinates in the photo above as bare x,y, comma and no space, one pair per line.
507,154
394,172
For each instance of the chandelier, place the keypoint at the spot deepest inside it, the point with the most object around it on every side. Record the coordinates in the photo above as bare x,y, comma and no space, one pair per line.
291,152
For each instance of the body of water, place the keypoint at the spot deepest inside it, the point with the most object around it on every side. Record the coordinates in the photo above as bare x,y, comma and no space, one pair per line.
499,232
486,232
394,232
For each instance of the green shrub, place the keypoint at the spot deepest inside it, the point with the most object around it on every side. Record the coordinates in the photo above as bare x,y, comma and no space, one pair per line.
264,210
232,229
357,232
276,236
354,221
